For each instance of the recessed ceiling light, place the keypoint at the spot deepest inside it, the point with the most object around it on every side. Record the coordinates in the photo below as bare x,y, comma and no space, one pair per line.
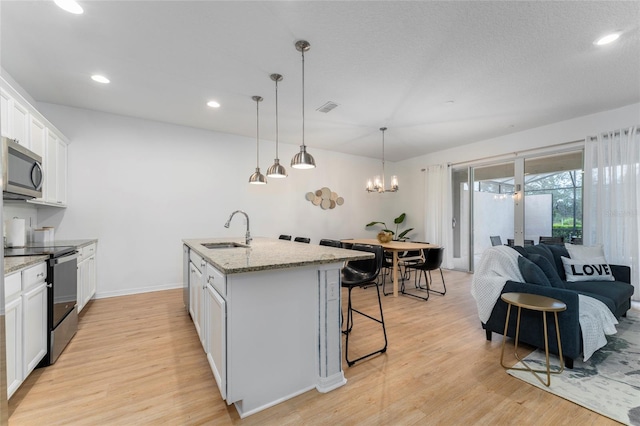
213,104
450,102
70,6
609,38
100,78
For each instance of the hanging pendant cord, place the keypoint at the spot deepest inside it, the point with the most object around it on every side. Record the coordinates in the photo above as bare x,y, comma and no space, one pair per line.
257,134
383,184
276,118
303,97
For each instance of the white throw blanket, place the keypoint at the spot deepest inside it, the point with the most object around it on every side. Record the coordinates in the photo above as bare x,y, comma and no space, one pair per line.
499,264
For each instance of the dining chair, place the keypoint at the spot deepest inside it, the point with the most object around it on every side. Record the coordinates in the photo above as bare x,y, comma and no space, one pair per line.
330,243
433,258
360,273
551,240
285,237
302,240
496,240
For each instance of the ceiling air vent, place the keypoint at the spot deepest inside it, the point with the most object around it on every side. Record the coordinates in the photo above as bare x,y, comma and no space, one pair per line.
327,107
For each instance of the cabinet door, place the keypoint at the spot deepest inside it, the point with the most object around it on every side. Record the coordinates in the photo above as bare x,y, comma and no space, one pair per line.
80,285
195,283
49,189
216,337
5,122
13,331
37,136
61,172
20,124
89,280
34,330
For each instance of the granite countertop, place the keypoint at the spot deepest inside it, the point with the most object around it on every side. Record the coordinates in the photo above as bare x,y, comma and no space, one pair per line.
75,243
269,253
13,264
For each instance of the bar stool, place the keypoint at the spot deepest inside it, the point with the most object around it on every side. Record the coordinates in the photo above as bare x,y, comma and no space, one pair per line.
358,274
330,243
285,237
302,240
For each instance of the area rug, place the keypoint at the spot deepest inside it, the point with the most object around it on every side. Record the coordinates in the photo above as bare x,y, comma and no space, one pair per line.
608,383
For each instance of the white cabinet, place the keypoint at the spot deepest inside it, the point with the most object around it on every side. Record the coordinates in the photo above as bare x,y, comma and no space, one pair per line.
196,303
37,135
87,275
13,331
21,121
215,328
54,190
25,323
15,119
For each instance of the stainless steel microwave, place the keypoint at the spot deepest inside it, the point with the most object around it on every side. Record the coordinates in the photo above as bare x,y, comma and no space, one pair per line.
22,175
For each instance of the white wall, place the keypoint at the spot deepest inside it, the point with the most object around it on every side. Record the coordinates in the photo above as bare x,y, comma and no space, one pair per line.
141,187
412,179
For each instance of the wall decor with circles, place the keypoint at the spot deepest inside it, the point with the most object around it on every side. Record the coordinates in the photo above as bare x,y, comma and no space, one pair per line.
324,198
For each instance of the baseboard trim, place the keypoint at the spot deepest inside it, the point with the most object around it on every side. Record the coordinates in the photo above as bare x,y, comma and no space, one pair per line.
139,290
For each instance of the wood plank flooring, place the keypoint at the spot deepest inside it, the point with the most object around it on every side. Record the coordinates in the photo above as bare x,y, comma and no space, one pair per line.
136,360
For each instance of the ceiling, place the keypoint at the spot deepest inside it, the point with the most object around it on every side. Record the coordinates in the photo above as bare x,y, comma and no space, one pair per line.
507,66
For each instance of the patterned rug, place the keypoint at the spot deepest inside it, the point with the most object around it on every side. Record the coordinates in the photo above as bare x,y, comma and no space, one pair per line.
608,383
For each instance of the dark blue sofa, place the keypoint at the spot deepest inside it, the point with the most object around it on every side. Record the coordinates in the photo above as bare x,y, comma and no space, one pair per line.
615,294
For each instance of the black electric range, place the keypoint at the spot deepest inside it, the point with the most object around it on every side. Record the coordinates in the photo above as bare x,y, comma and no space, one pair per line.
35,249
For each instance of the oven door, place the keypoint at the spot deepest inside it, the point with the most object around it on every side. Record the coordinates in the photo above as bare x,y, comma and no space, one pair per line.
63,286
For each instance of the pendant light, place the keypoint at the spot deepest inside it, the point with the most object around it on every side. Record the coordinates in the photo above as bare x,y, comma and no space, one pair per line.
276,170
303,160
257,178
378,185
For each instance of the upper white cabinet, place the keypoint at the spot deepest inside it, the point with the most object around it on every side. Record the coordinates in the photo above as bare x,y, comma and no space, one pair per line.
22,122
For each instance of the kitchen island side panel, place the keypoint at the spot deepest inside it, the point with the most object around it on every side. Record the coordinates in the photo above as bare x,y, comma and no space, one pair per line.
273,336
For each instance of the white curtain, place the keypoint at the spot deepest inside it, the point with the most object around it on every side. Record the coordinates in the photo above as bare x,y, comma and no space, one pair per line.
611,199
437,210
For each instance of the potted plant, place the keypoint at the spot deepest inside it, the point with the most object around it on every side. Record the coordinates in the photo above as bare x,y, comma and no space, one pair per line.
386,234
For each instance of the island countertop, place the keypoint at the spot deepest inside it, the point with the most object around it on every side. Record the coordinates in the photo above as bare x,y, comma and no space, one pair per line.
269,253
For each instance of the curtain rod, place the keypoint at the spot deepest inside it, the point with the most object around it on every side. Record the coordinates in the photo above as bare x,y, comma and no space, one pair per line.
617,132
516,153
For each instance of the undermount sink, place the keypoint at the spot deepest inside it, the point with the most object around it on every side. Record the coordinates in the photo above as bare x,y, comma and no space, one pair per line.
223,245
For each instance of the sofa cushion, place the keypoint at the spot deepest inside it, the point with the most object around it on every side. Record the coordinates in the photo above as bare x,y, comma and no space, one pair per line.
531,273
617,291
585,270
558,252
548,268
587,253
540,249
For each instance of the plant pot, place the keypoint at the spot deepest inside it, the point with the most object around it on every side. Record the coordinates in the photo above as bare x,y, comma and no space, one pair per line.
384,237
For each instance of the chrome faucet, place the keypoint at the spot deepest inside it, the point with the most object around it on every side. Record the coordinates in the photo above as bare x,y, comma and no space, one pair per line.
248,236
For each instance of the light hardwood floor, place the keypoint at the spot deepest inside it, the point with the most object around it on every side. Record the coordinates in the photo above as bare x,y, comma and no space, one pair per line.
137,360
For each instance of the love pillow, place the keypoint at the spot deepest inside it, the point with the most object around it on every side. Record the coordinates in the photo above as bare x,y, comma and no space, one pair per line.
581,270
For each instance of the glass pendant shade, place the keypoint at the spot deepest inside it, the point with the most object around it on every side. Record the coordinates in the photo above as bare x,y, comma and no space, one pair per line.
257,178
276,170
303,160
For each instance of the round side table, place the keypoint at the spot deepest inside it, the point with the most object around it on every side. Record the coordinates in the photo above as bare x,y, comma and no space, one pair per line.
542,304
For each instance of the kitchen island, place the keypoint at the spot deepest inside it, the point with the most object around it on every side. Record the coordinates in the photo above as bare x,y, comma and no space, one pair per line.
268,316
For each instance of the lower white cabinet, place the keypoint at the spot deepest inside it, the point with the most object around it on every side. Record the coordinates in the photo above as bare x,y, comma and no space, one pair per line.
13,331
25,323
196,290
215,329
34,327
87,275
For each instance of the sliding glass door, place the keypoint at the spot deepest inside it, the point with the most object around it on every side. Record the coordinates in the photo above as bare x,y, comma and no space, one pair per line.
515,202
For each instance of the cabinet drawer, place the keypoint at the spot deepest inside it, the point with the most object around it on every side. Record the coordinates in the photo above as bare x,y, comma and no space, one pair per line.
88,251
34,275
196,260
217,279
12,285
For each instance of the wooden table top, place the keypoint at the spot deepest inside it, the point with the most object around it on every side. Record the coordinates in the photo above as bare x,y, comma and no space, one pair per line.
534,302
392,245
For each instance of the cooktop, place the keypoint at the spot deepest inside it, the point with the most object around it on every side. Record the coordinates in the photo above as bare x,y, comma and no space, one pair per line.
34,249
